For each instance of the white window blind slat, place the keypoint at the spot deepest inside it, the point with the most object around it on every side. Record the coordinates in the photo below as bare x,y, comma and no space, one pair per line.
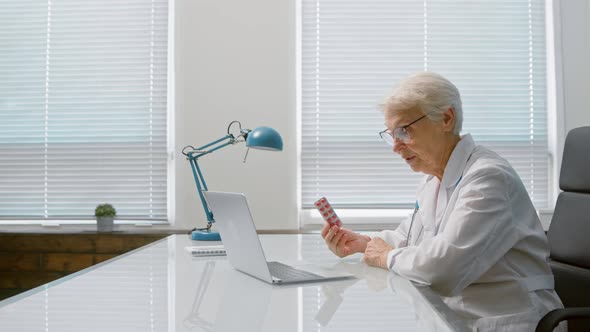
83,108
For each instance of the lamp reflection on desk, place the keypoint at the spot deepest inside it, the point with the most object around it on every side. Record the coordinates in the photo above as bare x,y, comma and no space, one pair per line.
262,138
245,298
194,319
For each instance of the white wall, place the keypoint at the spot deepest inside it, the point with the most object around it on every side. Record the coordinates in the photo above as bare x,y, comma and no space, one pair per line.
575,53
235,60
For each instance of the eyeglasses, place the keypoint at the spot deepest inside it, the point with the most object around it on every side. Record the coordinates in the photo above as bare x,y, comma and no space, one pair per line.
401,133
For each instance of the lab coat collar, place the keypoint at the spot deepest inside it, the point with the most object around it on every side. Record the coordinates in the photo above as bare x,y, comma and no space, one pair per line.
457,162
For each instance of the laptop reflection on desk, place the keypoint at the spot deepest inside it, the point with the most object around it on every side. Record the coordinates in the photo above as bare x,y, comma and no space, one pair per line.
244,251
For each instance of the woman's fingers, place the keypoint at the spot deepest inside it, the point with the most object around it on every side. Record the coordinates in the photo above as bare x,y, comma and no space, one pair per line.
325,230
331,233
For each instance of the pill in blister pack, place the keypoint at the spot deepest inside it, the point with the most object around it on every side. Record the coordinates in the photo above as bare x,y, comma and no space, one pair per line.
327,212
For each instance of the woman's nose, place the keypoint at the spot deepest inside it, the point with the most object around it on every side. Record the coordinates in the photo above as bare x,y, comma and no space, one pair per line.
398,145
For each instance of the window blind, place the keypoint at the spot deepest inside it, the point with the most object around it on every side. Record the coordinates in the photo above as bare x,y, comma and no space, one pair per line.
354,52
83,106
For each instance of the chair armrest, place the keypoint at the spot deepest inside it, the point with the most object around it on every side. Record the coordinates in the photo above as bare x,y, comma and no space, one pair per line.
554,317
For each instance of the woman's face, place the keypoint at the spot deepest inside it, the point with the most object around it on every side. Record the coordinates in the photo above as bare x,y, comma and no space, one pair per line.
424,148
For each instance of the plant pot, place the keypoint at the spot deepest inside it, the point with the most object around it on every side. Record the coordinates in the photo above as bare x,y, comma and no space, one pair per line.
104,224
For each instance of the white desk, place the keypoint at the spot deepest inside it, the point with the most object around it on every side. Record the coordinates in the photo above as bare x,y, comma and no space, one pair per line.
161,287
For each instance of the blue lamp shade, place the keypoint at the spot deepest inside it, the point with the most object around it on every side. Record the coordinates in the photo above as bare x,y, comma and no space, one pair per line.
264,138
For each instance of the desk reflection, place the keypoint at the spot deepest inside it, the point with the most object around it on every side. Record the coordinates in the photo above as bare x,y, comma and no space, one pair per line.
163,288
224,299
243,303
194,321
238,302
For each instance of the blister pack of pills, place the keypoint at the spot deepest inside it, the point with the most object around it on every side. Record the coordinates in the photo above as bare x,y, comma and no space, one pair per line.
327,212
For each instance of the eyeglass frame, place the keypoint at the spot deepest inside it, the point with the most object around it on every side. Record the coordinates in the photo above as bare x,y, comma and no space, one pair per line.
393,134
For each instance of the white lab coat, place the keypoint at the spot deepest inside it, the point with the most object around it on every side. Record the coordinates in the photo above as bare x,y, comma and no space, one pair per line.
477,240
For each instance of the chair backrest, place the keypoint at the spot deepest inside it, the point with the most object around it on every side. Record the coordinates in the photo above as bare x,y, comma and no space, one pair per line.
569,233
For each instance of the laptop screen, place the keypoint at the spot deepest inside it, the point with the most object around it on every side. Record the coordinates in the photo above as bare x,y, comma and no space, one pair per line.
234,222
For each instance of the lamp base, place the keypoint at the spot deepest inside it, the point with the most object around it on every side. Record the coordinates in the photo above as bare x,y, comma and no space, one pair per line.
205,236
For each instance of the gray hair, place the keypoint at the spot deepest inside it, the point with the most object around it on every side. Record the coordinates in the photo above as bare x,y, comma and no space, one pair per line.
431,93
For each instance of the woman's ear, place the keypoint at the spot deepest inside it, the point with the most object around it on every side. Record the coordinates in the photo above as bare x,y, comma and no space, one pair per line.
448,119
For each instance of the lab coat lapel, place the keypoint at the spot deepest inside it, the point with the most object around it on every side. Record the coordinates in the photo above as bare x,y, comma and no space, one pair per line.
426,202
453,175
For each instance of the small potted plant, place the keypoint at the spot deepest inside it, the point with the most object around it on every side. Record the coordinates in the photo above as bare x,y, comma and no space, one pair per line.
105,213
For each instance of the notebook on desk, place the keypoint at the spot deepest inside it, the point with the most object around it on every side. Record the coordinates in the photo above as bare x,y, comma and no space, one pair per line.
244,251
198,251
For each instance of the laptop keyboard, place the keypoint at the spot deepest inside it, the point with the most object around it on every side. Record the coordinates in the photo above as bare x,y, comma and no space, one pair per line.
286,272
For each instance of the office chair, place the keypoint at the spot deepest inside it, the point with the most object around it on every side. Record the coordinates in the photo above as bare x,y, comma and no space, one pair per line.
568,236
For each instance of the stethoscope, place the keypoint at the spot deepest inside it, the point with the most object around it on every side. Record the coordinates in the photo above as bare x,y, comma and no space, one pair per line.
416,207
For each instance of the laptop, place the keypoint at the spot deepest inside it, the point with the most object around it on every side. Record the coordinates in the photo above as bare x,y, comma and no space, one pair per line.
234,222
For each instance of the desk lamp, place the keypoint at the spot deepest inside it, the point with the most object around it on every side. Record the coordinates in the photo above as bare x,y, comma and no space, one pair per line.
263,138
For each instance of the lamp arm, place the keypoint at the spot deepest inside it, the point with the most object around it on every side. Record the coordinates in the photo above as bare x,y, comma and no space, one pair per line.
192,156
196,153
198,180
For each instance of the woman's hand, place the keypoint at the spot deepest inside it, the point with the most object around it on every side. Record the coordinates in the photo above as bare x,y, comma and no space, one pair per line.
343,242
376,253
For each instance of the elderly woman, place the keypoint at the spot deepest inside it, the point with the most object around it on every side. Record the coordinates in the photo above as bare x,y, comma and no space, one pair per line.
474,235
